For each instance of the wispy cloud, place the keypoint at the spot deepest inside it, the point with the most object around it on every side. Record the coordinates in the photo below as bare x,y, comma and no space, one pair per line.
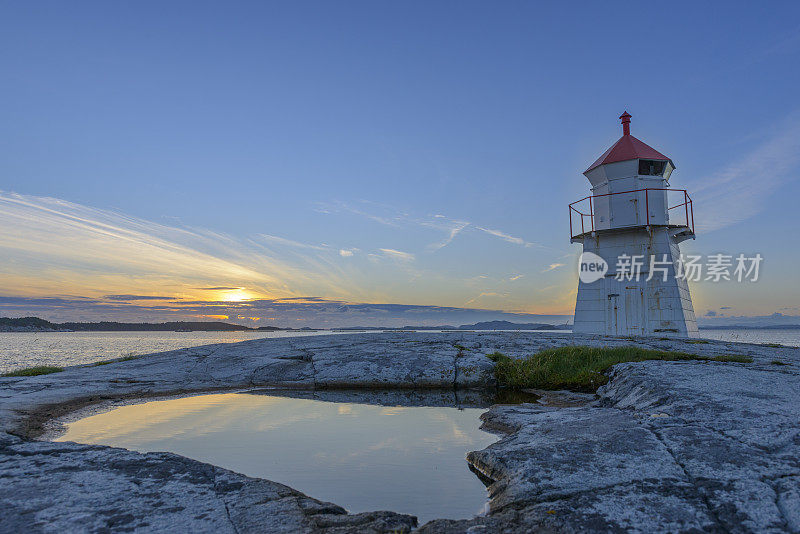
505,237
59,247
290,243
741,190
136,297
485,294
219,288
553,267
397,254
390,216
450,226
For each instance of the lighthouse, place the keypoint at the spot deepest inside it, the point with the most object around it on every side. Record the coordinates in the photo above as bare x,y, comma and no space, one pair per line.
631,225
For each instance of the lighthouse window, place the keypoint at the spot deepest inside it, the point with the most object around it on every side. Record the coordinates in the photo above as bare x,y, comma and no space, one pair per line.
649,167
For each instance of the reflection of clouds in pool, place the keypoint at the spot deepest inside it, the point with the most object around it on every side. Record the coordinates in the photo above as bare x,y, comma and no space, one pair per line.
363,457
155,419
188,416
392,444
455,435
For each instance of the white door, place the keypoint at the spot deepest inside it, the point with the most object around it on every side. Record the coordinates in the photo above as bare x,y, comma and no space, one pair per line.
634,309
625,308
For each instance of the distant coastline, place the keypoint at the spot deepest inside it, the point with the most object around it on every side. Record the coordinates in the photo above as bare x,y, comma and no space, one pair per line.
36,324
483,325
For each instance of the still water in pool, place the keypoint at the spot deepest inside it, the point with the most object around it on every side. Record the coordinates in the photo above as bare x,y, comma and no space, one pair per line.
408,459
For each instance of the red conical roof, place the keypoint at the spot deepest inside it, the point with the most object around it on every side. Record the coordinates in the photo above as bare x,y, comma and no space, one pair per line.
627,148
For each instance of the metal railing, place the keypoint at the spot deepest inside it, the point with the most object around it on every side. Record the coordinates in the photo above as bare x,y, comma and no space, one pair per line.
590,207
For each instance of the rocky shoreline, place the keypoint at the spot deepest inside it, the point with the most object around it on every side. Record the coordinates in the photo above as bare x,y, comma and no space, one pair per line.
664,446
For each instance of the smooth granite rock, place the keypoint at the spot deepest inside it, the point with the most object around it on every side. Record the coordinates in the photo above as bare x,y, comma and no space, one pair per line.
683,446
66,487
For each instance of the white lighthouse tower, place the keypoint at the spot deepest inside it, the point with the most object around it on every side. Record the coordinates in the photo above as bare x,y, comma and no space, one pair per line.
634,222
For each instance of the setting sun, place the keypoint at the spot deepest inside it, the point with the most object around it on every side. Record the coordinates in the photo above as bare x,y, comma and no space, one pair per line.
235,295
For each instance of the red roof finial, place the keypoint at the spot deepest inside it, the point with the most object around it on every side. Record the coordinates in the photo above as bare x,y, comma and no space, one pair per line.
626,123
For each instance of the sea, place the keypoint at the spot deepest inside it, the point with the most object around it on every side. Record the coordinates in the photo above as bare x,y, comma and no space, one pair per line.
19,350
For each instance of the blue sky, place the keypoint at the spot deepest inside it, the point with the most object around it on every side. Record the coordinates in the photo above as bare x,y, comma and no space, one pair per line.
414,153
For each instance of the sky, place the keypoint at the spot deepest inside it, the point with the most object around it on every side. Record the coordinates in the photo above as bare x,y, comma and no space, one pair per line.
377,163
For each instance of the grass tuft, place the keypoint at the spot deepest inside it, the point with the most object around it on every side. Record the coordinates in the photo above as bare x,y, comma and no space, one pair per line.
497,356
581,368
125,358
697,341
778,362
35,371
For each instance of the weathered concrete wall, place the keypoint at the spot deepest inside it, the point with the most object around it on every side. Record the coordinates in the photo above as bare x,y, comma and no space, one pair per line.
665,446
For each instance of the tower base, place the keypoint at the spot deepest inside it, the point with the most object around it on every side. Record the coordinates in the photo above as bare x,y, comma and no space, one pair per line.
642,307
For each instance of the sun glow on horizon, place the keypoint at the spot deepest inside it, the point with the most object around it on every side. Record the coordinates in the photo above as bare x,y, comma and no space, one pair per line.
236,295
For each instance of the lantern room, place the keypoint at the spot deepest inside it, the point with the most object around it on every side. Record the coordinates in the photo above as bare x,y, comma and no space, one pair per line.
630,187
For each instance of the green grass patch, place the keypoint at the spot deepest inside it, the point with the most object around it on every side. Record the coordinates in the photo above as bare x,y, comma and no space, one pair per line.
773,345
125,358
581,368
778,362
697,341
35,371
497,356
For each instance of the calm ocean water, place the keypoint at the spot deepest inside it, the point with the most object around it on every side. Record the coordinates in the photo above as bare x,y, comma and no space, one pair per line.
788,337
25,349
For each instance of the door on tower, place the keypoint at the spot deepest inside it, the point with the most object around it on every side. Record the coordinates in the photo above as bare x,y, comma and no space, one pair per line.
625,208
625,308
634,309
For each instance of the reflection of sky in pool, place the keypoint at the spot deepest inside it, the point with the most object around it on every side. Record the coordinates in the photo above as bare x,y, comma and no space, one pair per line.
359,456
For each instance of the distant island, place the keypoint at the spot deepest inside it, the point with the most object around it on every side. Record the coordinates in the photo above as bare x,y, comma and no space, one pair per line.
485,325
35,324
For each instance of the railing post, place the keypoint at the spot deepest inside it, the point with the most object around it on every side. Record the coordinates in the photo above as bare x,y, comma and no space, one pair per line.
570,221
591,212
647,205
686,205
